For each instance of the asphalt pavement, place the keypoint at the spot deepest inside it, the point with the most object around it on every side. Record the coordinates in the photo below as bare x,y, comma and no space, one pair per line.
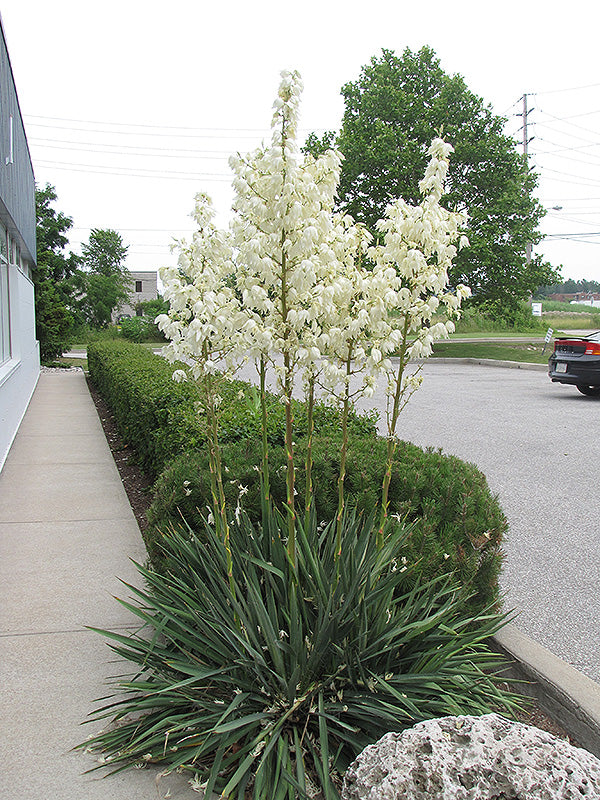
538,445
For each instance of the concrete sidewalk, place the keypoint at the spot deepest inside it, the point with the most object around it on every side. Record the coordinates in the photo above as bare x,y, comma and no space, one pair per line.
67,533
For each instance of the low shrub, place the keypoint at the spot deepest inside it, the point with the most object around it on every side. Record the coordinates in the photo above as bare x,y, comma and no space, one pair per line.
160,418
153,413
139,329
457,524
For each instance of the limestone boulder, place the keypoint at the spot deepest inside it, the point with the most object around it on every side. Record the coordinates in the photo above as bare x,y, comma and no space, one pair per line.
472,758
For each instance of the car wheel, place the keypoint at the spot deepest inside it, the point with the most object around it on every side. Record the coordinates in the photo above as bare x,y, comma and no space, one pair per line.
590,391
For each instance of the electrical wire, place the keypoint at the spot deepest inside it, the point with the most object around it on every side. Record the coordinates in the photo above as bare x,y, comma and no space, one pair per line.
116,149
138,173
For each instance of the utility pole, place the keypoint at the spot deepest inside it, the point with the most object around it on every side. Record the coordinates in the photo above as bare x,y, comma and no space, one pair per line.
526,141
525,137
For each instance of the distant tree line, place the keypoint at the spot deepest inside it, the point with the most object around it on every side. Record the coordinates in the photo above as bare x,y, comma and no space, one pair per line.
568,287
72,290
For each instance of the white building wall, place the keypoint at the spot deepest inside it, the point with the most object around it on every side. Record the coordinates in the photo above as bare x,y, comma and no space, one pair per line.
144,286
19,351
19,374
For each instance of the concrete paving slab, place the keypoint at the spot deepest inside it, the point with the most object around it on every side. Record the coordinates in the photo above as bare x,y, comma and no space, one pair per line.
40,492
48,684
48,584
50,449
68,423
68,383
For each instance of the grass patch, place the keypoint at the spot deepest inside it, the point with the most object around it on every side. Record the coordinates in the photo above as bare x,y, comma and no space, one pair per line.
75,362
65,363
572,321
524,352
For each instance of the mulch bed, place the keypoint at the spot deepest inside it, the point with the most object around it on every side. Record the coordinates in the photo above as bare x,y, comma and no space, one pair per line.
138,486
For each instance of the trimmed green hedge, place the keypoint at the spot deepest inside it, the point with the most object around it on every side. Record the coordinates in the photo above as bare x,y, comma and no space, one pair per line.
161,419
458,525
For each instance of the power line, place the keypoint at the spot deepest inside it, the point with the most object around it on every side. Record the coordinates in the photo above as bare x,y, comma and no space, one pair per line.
572,124
571,235
105,170
138,133
156,130
136,230
137,124
561,148
116,149
569,89
592,182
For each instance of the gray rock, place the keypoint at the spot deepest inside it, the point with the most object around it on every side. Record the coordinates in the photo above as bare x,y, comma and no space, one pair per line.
472,758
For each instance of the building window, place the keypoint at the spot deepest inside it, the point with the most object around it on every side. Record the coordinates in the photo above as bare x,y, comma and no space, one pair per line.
138,286
5,351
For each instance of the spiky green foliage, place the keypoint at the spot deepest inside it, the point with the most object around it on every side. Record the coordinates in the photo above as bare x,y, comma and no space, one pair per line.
268,685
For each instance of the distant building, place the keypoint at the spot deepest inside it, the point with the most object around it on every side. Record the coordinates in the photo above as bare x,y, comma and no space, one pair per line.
144,286
585,298
19,350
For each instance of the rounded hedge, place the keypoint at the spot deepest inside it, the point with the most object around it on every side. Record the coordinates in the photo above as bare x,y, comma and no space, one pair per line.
459,524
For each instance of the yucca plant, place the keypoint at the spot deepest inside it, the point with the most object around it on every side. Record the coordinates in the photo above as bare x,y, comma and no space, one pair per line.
268,685
270,655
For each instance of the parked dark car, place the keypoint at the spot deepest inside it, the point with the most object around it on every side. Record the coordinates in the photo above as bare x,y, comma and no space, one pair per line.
577,361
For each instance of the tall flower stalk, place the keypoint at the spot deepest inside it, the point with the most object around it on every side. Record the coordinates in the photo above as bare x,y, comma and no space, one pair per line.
288,289
283,213
411,267
201,326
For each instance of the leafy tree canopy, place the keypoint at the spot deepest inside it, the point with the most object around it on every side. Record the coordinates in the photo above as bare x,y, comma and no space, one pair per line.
392,112
53,278
104,281
569,286
105,253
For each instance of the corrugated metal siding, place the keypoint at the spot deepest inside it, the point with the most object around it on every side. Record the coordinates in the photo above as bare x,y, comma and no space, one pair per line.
17,184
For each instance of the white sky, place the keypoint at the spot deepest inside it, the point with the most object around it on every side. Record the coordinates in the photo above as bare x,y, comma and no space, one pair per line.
132,106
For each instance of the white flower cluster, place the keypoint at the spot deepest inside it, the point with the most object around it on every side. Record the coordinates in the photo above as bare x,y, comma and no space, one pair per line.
293,277
203,307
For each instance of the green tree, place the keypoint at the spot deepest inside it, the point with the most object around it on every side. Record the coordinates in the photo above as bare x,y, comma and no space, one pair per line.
392,112
569,286
152,308
104,281
53,278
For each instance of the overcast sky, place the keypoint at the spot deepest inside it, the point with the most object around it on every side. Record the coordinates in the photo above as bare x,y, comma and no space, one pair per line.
132,107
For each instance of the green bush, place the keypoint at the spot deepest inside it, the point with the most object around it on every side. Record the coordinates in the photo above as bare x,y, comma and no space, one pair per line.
458,522
494,316
160,419
155,415
458,525
139,329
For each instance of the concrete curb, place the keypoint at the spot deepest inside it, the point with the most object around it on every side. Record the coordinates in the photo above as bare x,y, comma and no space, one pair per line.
564,693
490,362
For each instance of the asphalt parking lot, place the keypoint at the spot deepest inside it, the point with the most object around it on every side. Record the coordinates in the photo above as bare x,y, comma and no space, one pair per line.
538,444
